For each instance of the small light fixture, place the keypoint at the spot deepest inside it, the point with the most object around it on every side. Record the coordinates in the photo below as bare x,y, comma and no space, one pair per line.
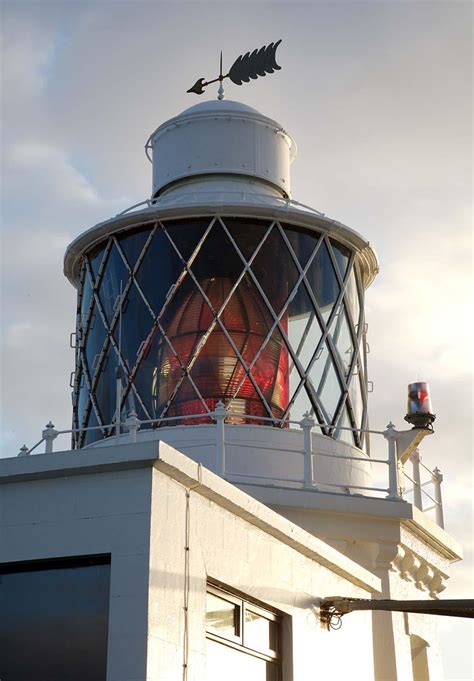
419,410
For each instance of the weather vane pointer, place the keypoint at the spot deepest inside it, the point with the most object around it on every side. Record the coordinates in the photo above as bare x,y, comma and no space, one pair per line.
248,66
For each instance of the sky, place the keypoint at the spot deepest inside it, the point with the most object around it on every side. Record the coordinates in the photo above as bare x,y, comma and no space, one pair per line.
378,98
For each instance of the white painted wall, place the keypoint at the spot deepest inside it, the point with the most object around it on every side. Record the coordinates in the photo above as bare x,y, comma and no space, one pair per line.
228,548
408,552
130,501
93,513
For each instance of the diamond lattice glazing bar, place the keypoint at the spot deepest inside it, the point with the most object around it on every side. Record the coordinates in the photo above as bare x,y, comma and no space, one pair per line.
194,311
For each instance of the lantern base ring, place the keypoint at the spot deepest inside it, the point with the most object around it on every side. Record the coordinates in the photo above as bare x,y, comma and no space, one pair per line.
421,420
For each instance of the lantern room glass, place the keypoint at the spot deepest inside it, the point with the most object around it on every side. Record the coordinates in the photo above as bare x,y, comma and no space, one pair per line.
264,316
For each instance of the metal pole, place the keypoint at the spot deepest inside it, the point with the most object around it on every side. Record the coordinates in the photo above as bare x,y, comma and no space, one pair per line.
394,488
417,497
118,371
307,424
219,414
332,609
437,477
49,435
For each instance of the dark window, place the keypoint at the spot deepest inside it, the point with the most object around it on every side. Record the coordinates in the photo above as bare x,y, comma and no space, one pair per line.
243,638
54,620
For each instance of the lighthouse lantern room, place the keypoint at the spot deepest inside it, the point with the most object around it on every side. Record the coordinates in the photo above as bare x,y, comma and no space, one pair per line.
222,289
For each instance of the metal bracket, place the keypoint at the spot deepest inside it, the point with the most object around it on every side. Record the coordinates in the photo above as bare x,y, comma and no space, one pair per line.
408,440
332,609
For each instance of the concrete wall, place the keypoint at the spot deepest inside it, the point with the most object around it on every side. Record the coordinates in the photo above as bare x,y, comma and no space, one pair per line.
88,514
231,550
408,552
131,501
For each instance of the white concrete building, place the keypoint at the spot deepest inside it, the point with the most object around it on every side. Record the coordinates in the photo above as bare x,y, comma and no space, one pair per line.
223,478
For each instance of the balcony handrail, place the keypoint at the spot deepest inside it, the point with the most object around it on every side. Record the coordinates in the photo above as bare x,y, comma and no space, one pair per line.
287,203
428,470
365,459
409,491
270,448
310,479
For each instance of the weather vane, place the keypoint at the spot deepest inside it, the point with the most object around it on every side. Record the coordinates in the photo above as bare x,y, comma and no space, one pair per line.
248,66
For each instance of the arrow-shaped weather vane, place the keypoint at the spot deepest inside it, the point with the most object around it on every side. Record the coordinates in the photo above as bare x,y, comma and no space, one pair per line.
248,66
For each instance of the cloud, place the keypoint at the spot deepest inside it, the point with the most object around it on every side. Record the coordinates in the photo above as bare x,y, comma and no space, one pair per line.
16,335
375,95
48,202
42,171
24,60
425,297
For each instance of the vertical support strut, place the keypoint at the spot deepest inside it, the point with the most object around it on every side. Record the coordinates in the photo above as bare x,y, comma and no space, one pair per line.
415,460
437,480
394,487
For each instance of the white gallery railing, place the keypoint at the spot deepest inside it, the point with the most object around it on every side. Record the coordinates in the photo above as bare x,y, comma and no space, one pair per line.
400,449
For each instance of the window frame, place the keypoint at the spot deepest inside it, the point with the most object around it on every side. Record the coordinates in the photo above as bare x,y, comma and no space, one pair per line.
238,642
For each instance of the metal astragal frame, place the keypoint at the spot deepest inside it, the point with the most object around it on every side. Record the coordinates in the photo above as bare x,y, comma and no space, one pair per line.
328,337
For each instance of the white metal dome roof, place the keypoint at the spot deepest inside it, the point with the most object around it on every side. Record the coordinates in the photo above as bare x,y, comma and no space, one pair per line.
219,105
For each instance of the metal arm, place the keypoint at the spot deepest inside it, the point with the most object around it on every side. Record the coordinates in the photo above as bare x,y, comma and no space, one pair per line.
332,609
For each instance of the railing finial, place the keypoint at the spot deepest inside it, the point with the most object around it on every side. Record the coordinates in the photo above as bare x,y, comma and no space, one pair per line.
49,434
132,424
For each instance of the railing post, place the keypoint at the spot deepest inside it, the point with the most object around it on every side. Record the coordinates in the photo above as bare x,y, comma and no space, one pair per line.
49,435
118,401
437,478
219,415
417,498
133,425
307,424
394,488
23,451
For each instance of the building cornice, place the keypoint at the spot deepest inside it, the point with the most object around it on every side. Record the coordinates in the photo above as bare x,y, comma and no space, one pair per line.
404,514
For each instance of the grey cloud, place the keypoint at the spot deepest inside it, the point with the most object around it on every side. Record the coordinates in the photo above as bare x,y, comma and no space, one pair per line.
376,96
